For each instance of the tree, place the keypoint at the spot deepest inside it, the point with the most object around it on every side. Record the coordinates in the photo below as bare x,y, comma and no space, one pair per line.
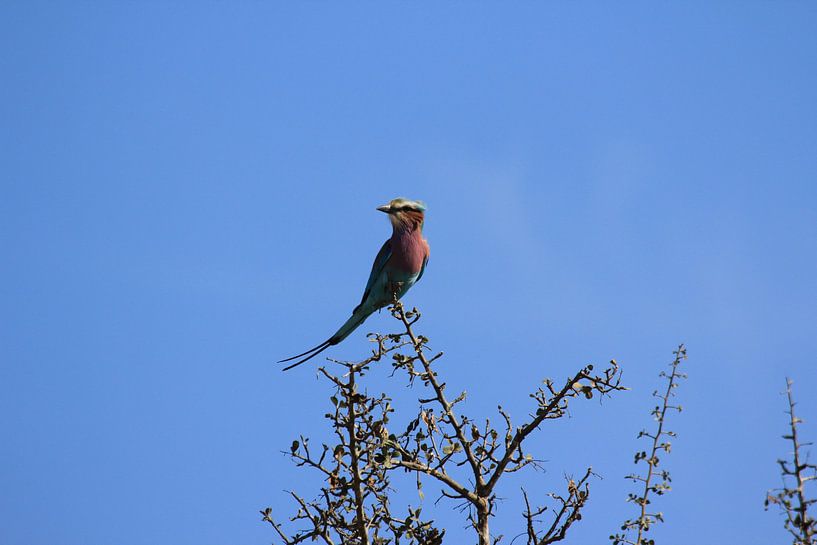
467,458
796,473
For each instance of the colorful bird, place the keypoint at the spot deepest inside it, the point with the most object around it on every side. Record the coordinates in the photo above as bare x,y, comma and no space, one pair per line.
399,264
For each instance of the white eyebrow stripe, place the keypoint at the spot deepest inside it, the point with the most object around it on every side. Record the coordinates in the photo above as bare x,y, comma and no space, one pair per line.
400,202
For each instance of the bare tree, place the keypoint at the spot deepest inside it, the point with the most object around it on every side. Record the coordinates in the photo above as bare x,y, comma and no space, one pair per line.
467,458
796,473
660,444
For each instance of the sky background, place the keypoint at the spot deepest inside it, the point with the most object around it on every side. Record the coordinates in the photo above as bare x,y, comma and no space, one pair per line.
189,193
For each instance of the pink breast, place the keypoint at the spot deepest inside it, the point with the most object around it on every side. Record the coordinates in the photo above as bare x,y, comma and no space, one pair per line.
409,250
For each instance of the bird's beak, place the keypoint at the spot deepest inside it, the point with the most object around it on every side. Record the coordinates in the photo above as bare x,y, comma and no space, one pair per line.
385,208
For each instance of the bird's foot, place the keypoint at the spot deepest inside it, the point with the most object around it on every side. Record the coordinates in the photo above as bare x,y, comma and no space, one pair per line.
396,288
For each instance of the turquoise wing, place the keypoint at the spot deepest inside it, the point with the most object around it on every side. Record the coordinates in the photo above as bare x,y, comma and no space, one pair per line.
380,261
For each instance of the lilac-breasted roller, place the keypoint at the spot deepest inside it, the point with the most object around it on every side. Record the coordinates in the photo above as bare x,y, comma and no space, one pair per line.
399,264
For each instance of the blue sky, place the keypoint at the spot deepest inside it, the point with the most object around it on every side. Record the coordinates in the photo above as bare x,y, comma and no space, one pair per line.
189,192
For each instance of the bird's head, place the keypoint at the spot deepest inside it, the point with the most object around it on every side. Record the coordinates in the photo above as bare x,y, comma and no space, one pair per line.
404,212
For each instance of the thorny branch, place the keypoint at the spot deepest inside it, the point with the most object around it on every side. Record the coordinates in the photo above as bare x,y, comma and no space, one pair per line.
792,497
645,520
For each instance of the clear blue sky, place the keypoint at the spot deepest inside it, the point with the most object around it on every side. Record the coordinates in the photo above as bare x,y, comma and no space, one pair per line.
188,194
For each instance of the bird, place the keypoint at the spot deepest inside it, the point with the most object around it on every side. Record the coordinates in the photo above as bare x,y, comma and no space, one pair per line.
399,265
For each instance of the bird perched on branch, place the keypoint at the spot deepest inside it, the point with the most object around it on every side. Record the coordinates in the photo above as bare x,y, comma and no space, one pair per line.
399,264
